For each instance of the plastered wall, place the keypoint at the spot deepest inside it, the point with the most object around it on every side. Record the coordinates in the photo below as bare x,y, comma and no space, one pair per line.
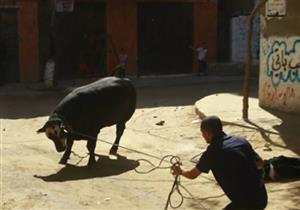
239,30
279,83
280,73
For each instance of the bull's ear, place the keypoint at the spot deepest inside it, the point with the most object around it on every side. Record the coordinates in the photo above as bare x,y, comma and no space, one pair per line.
41,130
49,123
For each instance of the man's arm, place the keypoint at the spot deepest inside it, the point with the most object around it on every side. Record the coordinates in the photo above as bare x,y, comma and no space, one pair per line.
190,174
194,49
259,163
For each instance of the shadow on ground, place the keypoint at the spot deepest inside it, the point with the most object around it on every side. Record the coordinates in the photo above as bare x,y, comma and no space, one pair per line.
289,129
104,167
152,93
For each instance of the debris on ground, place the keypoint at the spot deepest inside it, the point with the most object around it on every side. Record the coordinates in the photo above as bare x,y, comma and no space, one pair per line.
160,123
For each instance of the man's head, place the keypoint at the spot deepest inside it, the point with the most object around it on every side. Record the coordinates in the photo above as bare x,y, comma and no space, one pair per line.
210,127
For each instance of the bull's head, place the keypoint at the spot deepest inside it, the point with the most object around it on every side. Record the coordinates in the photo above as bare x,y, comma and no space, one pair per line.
55,130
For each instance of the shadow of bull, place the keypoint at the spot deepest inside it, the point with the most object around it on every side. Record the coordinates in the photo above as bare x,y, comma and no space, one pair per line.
104,167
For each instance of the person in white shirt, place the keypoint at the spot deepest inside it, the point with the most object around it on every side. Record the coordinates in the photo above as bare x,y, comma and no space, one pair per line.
202,50
120,69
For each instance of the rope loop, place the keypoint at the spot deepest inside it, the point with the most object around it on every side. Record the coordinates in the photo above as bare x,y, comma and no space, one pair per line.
173,160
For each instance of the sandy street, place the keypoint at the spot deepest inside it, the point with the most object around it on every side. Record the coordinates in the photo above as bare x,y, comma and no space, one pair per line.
31,177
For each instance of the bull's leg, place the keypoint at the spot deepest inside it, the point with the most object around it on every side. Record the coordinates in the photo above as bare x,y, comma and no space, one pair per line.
120,130
91,144
67,153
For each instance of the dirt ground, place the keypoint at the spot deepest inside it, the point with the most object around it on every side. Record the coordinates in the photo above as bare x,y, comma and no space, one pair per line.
31,177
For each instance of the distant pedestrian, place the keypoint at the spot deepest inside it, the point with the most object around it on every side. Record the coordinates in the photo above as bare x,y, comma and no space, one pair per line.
202,64
120,69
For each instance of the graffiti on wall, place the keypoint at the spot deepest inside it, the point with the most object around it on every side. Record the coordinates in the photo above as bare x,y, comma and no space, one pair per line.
285,97
239,34
283,63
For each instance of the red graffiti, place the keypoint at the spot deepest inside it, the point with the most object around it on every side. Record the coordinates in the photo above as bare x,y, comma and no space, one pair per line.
281,96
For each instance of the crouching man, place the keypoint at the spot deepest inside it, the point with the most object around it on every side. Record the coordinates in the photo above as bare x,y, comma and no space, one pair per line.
233,164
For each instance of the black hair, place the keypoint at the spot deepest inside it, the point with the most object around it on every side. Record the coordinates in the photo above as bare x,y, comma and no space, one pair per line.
212,124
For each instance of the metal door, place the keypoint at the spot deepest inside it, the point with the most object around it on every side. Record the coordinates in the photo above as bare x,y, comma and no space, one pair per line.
165,32
9,58
80,41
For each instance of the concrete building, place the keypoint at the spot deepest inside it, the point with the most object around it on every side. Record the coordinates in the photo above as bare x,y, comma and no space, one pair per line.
233,30
279,84
155,35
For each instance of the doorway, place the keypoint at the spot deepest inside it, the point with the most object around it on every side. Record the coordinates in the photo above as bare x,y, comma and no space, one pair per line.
165,32
80,40
9,58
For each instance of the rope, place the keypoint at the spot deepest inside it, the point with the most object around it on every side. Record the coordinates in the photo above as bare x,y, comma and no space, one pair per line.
81,157
113,144
177,186
173,160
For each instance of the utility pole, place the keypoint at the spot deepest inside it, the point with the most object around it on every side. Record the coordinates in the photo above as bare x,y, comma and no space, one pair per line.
248,67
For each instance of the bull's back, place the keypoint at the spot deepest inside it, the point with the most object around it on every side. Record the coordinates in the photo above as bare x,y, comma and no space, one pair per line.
99,104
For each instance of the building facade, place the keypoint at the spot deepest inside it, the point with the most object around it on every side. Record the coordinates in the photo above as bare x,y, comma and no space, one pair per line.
87,40
19,40
233,29
279,84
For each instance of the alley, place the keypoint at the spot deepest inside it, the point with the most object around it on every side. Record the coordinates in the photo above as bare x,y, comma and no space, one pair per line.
165,123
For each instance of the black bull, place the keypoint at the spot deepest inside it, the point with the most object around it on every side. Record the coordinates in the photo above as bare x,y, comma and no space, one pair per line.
87,109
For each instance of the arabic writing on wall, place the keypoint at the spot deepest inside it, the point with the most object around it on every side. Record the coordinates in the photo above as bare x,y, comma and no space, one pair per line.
285,97
283,63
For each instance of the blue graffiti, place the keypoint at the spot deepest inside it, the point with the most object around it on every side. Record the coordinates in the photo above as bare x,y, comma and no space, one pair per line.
283,65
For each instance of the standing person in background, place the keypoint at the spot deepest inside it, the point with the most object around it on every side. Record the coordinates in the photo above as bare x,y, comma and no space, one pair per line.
202,64
233,163
120,69
123,57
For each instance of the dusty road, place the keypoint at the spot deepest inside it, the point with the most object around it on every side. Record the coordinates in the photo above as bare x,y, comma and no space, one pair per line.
31,177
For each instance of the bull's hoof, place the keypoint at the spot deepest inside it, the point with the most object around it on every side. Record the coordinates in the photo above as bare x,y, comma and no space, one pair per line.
63,161
113,151
91,162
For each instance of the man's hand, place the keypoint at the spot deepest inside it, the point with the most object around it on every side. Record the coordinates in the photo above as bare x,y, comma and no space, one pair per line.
176,170
190,174
260,164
